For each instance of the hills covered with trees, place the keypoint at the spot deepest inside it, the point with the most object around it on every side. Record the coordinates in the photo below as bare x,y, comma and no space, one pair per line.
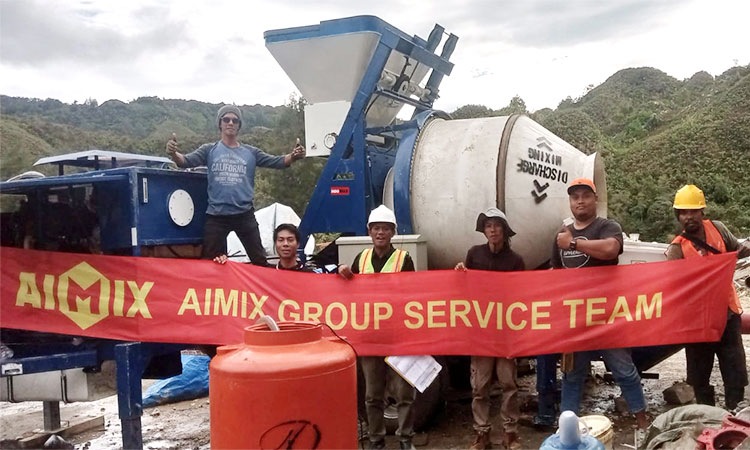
655,133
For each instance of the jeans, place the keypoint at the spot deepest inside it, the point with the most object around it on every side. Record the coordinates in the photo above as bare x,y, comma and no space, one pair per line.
618,360
546,387
217,228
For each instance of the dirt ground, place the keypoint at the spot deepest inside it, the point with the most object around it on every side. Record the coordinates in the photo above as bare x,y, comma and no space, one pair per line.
186,424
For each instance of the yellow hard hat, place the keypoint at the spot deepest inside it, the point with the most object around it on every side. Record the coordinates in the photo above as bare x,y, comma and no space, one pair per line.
689,197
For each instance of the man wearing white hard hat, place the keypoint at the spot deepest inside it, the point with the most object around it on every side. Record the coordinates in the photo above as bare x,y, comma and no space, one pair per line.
495,255
383,258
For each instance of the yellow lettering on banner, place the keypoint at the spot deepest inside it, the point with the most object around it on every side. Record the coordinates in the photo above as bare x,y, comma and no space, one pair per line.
432,313
28,293
499,314
621,310
292,315
190,302
207,302
365,320
243,310
329,318
648,309
417,316
573,304
462,313
117,305
139,299
483,319
258,306
536,315
49,293
225,303
591,311
377,315
509,316
313,311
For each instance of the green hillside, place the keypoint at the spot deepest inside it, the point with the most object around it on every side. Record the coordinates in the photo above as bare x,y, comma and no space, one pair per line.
655,133
33,128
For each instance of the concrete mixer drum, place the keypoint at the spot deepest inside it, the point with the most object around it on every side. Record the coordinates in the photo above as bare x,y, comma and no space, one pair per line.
460,167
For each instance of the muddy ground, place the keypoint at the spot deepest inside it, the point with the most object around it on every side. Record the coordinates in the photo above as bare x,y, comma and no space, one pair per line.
186,424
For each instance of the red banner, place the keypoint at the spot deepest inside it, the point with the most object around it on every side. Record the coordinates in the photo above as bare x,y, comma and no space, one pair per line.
432,312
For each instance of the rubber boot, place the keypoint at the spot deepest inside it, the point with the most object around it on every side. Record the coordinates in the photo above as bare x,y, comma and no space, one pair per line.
481,441
733,395
704,395
511,441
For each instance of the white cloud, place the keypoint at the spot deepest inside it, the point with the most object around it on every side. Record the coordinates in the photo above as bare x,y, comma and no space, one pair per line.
542,50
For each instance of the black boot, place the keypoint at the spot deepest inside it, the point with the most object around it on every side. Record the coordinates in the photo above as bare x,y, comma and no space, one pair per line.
704,395
733,395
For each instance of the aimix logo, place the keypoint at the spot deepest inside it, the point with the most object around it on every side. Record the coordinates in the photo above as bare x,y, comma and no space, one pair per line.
76,294
85,276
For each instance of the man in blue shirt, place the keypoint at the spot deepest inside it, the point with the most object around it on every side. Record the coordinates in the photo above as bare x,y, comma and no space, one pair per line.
231,185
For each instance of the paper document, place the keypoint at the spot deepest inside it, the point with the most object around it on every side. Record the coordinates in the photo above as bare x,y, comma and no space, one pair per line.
419,371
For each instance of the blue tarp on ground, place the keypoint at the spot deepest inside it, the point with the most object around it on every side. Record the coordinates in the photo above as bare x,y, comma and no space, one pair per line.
192,383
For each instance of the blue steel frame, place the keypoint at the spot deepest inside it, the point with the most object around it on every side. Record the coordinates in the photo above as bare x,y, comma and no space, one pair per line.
131,360
402,168
344,194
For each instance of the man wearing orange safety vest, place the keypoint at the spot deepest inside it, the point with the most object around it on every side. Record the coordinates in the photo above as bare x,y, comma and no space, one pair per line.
383,258
702,237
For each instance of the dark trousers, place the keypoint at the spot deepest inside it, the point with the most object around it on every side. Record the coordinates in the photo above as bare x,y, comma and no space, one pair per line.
217,229
377,375
546,387
731,356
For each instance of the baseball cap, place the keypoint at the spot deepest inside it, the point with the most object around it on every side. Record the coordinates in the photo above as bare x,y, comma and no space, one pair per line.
585,182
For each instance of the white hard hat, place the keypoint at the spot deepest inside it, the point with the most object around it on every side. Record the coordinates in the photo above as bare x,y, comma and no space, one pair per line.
381,214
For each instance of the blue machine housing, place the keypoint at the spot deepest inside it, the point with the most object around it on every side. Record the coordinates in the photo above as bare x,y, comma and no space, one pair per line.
130,203
352,181
130,207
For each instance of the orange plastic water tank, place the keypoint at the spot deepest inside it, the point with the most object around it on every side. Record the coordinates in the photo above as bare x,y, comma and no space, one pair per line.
288,389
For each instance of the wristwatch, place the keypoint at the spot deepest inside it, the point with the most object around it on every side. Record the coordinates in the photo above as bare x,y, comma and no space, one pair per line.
572,245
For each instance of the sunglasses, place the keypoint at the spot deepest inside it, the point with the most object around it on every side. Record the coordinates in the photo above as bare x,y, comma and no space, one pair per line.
230,119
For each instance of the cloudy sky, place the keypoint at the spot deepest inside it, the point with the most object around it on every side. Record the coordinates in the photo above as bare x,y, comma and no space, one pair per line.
213,51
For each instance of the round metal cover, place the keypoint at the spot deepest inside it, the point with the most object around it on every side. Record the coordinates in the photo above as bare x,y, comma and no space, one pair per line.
181,207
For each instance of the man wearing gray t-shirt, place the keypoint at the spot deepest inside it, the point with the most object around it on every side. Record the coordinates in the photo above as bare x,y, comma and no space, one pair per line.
592,241
231,185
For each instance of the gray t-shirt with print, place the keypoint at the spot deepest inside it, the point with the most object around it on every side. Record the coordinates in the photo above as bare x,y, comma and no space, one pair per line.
231,175
600,228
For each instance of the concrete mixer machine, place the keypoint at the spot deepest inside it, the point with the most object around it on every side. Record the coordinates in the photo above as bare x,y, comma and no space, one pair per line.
357,74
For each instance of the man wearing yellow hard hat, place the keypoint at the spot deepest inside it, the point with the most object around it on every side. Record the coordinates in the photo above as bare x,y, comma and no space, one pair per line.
702,237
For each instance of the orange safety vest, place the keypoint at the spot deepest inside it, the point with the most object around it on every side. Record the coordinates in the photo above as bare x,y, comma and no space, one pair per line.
714,239
394,263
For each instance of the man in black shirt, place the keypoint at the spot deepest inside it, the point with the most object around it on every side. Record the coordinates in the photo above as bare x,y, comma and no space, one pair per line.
595,241
494,255
286,241
383,258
